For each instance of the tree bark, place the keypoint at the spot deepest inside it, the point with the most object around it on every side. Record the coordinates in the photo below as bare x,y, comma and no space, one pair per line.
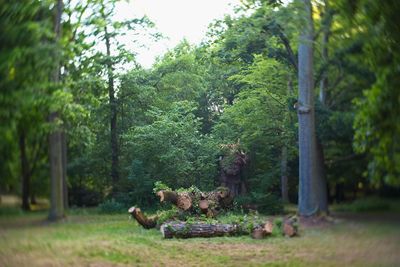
113,111
186,230
308,196
55,140
209,203
25,175
64,164
142,219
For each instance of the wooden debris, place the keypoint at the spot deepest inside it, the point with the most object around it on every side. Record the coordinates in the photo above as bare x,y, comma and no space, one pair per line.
189,230
142,219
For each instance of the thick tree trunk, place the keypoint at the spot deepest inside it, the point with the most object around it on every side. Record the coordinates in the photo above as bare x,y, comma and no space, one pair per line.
55,140
25,175
180,229
186,230
308,195
56,171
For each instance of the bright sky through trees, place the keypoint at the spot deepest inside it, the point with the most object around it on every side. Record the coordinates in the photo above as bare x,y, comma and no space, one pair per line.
175,19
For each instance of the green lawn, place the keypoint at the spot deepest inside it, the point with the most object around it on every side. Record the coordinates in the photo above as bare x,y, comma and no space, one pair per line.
88,239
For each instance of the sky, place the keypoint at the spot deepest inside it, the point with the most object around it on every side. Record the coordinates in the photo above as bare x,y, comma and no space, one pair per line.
175,19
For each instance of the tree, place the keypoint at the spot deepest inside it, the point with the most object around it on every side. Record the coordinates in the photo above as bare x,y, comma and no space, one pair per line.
56,155
309,181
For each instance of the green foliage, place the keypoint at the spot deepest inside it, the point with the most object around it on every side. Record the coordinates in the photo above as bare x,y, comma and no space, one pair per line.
158,186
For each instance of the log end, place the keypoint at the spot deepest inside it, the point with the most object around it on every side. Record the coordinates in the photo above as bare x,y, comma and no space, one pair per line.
184,201
161,195
258,233
203,204
268,228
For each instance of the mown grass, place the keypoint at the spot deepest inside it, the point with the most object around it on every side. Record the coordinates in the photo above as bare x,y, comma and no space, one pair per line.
90,239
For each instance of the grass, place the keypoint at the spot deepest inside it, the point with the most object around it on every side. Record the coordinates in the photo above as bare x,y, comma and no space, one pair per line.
90,239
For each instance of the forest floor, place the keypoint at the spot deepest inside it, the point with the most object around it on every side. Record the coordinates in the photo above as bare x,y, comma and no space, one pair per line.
89,239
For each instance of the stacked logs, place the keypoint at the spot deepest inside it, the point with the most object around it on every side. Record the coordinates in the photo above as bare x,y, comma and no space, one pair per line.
209,204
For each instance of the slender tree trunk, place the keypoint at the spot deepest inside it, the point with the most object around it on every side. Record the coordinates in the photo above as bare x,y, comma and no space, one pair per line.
321,175
308,195
284,177
113,113
24,172
64,163
55,138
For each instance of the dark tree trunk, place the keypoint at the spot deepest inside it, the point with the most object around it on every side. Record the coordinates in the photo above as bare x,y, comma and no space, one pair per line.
284,175
308,195
64,164
25,175
113,112
33,199
55,139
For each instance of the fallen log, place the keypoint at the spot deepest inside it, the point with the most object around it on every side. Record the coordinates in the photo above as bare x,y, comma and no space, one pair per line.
189,230
143,220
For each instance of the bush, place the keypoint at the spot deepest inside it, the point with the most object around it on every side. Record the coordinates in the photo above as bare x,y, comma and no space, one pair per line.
111,207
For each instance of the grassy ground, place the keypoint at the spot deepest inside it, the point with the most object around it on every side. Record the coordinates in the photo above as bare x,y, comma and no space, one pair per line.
90,239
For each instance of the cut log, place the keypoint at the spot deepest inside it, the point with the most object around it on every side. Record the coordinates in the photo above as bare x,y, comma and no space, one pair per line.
142,219
268,227
189,230
203,205
210,203
258,233
168,196
290,227
184,201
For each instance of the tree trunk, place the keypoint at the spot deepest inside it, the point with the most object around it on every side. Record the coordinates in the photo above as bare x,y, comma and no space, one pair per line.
142,219
25,175
64,164
113,112
55,140
186,230
308,195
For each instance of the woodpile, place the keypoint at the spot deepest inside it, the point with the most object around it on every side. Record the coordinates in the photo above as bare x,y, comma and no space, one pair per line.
197,205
